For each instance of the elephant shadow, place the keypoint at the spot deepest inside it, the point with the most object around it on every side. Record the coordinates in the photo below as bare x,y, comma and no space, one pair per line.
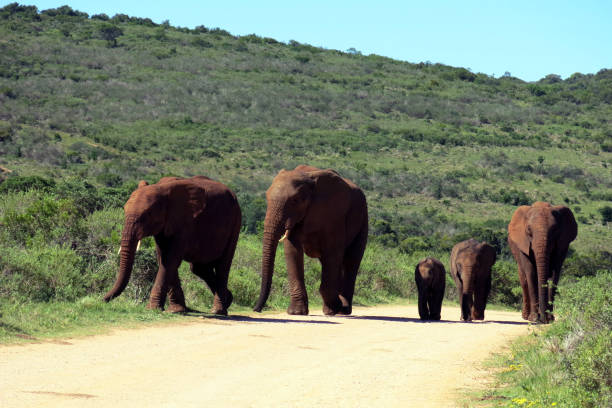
417,320
398,319
251,319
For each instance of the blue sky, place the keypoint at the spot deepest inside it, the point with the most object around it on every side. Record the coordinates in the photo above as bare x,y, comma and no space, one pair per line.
529,39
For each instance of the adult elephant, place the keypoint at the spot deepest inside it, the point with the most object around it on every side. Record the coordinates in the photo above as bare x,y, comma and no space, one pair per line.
196,220
430,277
471,263
326,217
539,236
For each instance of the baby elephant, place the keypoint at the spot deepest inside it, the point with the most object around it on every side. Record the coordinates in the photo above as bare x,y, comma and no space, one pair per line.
430,277
471,263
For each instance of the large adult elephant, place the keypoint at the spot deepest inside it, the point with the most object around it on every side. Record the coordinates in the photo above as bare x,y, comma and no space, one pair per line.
539,236
430,278
326,217
471,263
196,220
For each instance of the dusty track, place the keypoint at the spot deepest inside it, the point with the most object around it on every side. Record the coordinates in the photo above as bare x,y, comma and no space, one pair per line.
379,357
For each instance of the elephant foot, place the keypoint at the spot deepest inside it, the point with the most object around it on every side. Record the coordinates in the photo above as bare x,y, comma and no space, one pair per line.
534,318
477,316
547,318
438,317
297,308
229,298
333,309
345,310
220,306
218,311
154,306
176,308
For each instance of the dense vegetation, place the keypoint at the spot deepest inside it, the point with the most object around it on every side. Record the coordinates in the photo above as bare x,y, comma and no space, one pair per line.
569,365
89,105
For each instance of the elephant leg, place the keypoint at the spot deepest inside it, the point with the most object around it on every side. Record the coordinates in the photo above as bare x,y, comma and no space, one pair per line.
330,283
435,305
294,258
481,293
206,271
223,296
467,304
528,280
423,298
459,285
176,298
350,265
167,276
350,268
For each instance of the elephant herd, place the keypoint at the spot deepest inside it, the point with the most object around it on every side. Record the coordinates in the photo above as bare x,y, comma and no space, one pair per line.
319,213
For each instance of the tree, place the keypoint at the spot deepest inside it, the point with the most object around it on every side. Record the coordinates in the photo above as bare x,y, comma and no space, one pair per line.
110,33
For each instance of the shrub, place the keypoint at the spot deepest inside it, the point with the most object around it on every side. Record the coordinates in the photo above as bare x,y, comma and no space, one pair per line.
41,274
25,183
585,338
606,214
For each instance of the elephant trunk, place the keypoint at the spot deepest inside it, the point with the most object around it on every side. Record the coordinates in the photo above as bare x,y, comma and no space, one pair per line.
542,265
129,242
274,226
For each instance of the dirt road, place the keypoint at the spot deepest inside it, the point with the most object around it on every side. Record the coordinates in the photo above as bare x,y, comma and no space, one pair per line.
379,357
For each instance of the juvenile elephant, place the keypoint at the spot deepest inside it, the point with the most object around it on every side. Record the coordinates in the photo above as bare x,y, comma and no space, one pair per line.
325,216
196,220
539,236
430,277
471,263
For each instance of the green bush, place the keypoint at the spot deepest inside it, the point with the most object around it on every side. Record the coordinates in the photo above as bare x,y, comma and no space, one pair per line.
41,274
585,338
25,183
570,364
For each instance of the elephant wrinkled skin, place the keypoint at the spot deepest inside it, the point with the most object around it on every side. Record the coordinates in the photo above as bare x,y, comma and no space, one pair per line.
539,236
326,217
471,263
196,220
430,277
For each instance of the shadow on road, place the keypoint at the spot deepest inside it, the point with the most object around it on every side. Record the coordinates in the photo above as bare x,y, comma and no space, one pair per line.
251,319
415,320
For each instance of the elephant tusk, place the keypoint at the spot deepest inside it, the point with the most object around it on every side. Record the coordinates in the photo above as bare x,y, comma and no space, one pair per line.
137,248
284,236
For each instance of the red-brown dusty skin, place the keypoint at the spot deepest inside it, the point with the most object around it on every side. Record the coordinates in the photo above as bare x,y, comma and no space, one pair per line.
379,357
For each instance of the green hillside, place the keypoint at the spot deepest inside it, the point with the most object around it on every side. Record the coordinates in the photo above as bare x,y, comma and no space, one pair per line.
89,105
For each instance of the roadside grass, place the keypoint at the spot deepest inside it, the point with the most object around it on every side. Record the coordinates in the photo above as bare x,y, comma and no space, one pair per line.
34,321
566,364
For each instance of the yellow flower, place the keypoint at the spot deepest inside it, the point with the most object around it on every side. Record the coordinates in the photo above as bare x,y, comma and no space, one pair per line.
553,404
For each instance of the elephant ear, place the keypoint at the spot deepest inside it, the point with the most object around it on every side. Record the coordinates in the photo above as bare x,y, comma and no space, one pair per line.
186,201
487,255
329,187
517,232
328,183
567,222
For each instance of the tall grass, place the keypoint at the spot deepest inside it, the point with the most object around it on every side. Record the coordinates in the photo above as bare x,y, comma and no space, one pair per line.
568,364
